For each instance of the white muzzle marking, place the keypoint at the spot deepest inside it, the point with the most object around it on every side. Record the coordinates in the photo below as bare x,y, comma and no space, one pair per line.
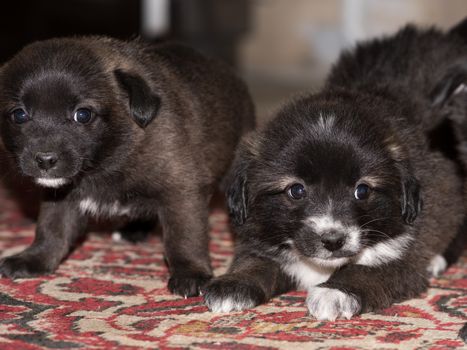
54,183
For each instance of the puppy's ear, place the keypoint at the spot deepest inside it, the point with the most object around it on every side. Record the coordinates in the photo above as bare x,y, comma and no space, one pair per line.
451,85
144,103
410,198
236,182
411,201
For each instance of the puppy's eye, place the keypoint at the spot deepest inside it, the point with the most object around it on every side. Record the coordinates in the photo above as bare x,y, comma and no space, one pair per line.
362,191
296,191
83,115
19,116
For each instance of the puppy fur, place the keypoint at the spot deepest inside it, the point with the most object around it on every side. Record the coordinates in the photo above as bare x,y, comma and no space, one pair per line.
449,101
367,126
165,123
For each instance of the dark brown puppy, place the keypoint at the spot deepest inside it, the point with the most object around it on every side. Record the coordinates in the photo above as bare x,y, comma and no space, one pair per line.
328,197
121,128
449,103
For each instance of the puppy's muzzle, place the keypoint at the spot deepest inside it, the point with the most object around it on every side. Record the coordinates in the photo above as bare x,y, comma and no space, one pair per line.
46,160
333,240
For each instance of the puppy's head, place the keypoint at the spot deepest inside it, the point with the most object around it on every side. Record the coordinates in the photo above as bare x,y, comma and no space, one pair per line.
66,111
322,181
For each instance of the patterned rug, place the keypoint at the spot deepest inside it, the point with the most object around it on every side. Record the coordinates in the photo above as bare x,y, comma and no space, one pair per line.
109,295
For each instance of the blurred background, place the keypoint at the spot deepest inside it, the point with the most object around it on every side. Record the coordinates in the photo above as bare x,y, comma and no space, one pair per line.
279,47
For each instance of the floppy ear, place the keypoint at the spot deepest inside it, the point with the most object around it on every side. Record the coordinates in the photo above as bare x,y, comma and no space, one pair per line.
237,190
236,181
411,201
144,103
452,84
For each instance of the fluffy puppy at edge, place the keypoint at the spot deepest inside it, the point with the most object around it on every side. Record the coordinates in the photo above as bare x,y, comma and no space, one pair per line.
449,102
112,128
328,197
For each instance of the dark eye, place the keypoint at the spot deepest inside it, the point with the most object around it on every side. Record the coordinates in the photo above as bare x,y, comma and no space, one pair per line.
362,191
296,191
19,116
82,115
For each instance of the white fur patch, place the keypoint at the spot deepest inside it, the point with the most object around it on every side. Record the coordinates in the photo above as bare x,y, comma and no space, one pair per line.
54,183
91,207
307,274
333,263
384,252
228,304
88,206
117,236
461,88
325,223
328,304
437,266
325,124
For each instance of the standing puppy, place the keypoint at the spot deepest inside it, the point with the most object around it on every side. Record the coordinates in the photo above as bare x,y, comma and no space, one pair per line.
121,128
329,196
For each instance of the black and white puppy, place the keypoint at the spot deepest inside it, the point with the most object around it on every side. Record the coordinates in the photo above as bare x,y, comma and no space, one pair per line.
112,128
328,197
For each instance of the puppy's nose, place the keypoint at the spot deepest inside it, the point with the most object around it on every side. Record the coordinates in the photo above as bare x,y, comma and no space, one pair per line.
46,160
333,241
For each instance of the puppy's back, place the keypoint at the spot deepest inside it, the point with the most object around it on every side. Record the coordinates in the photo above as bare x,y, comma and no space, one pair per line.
204,105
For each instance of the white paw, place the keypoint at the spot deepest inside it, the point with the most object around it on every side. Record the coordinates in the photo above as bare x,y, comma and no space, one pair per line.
117,236
329,304
437,265
228,304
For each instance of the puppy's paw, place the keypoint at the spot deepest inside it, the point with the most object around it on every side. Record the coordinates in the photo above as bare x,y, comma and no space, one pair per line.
329,304
437,265
187,284
226,294
23,265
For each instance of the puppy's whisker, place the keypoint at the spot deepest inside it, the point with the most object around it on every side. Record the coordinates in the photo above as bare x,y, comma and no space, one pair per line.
374,220
382,234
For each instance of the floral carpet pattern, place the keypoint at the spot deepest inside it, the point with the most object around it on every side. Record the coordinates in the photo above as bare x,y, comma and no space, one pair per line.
109,295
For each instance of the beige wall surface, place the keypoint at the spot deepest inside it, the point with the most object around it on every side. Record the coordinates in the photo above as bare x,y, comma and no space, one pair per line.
290,37
292,43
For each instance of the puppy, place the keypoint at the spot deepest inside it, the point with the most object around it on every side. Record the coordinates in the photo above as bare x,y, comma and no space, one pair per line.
112,128
449,101
328,197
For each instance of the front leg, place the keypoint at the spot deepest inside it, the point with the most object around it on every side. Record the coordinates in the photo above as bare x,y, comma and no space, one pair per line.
250,281
355,289
184,219
59,224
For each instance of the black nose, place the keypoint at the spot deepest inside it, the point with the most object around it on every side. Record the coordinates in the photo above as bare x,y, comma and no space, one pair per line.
333,240
46,160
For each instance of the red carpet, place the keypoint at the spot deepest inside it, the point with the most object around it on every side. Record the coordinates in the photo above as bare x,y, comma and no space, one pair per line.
110,295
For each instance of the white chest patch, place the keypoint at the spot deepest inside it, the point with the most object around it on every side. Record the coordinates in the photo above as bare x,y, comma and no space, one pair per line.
91,207
384,252
307,274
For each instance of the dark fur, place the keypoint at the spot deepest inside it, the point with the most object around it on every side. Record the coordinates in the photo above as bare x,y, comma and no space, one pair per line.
167,121
449,98
379,98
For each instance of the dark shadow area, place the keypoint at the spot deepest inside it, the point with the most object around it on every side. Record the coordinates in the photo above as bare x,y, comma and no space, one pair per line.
211,26
25,21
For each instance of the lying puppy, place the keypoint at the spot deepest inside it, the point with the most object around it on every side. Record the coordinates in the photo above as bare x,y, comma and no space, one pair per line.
449,100
328,197
121,128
